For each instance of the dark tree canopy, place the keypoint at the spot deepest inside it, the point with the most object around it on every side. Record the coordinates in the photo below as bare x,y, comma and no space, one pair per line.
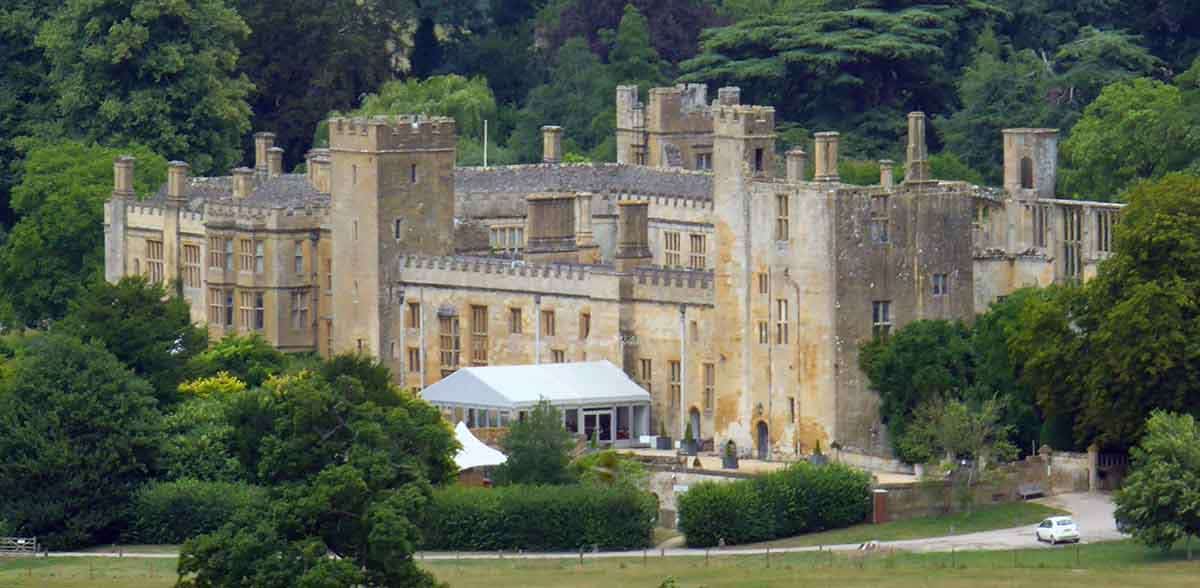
674,25
78,434
538,449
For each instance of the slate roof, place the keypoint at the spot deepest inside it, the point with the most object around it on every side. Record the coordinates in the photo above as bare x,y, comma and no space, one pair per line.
283,192
602,178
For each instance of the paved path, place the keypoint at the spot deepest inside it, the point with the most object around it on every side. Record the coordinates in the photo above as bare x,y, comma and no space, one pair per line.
1093,513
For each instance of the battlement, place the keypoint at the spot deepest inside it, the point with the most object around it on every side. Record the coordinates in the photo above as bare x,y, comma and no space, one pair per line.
678,109
743,121
672,286
398,133
461,271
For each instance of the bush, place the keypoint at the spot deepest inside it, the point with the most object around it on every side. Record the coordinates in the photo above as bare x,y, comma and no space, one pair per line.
172,512
539,518
803,498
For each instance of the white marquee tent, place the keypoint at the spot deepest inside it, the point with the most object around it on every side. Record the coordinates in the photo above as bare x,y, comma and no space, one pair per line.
594,397
474,453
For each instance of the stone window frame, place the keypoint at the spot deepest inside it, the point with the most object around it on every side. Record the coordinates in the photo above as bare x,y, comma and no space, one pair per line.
781,321
216,252
764,333
548,327
585,325
558,356
245,254
710,386
1105,221
479,335
941,285
413,363
216,297
881,319
646,372
191,265
298,256
764,283
154,261
697,258
412,316
674,383
450,344
672,249
1072,220
782,218
300,308
260,256
880,219
515,321
704,160
1040,226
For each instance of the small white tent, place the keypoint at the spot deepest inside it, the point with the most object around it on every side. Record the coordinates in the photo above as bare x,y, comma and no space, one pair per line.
474,453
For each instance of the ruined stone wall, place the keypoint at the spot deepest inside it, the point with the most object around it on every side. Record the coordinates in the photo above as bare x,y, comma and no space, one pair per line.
929,232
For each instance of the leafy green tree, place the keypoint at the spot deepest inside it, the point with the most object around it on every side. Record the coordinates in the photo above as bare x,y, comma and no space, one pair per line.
1122,345
1134,130
845,64
633,59
150,72
249,358
348,479
997,372
1096,59
199,438
56,248
150,332
947,166
924,361
25,99
78,434
538,449
609,468
579,92
674,25
1159,502
954,429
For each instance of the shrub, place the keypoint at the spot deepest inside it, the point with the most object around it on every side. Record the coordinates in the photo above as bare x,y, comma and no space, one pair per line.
172,512
539,518
803,498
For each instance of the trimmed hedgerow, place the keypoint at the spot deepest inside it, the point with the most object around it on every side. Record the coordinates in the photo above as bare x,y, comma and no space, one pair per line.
175,511
803,498
539,518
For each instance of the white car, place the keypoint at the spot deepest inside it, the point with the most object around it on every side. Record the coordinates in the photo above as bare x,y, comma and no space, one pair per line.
1057,529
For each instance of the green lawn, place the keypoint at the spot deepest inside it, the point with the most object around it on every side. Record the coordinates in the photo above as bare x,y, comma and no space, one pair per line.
1000,516
1102,565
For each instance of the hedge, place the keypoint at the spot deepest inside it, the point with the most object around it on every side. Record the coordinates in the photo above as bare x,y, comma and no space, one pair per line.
539,518
803,498
173,512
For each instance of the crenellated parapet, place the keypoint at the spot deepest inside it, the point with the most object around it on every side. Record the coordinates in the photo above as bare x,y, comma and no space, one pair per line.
674,286
509,275
396,133
743,121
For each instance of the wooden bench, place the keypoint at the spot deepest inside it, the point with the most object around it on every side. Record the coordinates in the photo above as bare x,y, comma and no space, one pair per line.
1027,491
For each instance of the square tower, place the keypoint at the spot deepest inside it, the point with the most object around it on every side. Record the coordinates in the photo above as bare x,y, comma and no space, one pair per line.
1030,162
392,191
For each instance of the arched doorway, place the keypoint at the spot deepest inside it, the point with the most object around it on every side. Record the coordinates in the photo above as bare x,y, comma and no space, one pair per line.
764,440
694,417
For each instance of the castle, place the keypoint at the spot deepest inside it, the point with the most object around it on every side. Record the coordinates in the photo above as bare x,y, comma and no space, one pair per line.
736,289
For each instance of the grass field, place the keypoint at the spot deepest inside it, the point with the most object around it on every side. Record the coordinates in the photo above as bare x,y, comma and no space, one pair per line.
1104,565
1000,516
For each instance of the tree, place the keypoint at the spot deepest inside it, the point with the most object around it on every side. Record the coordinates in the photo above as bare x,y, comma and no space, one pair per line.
609,468
997,371
150,72
1096,59
1134,130
347,480
25,100
199,435
846,64
55,249
1124,344
249,358
674,25
579,92
924,361
150,332
1159,501
78,434
538,449
633,59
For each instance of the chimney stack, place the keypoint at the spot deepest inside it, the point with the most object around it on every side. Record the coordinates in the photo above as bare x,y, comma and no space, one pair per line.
275,162
321,170
123,176
263,142
177,177
633,234
550,237
551,144
917,169
729,96
584,237
887,174
825,157
243,182
797,162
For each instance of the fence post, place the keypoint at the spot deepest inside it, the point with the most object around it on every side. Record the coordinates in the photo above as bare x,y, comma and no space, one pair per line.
768,557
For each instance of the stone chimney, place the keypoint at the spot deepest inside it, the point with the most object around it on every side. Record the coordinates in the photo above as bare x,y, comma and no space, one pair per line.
797,162
825,157
887,174
243,182
275,162
177,179
589,251
917,167
123,176
551,144
550,235
633,234
729,96
263,142
320,172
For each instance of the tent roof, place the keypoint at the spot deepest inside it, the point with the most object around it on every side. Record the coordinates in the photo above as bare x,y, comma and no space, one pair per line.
474,453
595,383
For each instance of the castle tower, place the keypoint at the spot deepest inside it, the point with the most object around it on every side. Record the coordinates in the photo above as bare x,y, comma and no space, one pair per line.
117,219
1030,162
392,186
743,151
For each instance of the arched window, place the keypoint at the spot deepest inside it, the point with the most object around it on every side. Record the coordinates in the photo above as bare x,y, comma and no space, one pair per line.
1026,173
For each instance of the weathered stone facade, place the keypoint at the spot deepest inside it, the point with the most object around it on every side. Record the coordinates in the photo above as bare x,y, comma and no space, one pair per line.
737,298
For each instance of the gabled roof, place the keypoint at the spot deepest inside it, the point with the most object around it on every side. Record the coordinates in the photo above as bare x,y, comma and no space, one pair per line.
595,383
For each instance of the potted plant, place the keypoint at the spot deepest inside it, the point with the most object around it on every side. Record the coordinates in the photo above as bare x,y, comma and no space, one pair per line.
729,458
663,441
688,447
818,458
